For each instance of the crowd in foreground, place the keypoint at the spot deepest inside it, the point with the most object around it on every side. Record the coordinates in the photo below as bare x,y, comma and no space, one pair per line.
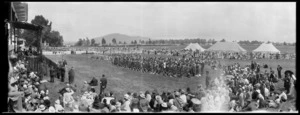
248,90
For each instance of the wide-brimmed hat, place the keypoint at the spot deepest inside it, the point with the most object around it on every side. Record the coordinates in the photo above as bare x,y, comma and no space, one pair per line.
42,107
126,96
288,71
177,93
57,101
142,95
164,105
196,101
51,109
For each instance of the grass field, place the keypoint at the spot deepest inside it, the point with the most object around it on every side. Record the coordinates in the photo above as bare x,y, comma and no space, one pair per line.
122,80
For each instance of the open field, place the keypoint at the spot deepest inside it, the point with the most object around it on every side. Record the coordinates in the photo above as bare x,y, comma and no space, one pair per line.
122,80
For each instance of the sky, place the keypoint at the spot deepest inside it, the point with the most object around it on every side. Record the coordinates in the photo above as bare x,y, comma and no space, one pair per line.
233,21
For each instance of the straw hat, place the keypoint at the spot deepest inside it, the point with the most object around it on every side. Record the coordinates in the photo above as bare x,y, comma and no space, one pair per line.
57,102
51,109
142,95
126,96
164,105
42,107
196,101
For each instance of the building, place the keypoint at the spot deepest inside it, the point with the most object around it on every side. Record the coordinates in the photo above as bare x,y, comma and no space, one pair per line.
18,12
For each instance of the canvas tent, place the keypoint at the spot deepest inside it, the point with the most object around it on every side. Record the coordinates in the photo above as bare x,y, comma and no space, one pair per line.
266,48
194,47
226,47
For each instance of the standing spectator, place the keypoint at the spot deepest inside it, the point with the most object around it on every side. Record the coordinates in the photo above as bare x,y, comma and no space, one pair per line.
71,75
62,72
207,79
279,68
52,74
287,82
103,83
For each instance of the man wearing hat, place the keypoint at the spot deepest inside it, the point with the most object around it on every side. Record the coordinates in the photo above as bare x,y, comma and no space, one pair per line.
103,83
52,74
287,82
178,102
207,79
71,74
279,68
143,103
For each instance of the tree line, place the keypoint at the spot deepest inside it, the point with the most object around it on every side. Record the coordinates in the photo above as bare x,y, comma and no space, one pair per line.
48,35
85,42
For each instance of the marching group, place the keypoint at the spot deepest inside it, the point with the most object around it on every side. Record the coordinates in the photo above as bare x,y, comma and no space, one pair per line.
167,66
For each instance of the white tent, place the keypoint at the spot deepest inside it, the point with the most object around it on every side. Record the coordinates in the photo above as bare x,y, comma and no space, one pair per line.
266,48
226,47
194,47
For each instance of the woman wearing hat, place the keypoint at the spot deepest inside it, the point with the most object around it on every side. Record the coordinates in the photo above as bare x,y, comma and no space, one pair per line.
126,105
143,103
58,107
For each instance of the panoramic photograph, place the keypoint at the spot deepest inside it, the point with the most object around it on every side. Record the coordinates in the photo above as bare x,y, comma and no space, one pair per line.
151,57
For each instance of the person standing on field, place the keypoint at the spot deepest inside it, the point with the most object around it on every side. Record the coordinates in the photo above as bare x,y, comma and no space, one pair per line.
71,75
207,79
279,68
103,83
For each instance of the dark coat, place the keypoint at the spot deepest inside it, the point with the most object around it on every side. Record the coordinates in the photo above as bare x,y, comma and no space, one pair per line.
71,76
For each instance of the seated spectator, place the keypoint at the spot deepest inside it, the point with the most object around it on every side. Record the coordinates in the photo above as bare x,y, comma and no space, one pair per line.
94,82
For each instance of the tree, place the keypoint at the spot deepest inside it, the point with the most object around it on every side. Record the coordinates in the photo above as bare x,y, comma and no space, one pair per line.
223,40
124,42
93,42
88,43
114,41
120,42
103,41
79,42
52,37
284,43
134,42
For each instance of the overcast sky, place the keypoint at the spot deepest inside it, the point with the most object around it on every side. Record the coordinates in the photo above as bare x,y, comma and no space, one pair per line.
232,21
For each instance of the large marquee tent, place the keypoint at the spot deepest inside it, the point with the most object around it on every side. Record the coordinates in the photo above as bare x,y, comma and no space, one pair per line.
194,47
266,48
226,47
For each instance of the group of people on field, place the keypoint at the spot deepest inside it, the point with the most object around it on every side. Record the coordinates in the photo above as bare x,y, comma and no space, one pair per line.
171,67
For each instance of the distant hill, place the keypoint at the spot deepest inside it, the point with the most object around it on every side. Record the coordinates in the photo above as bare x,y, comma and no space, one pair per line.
119,37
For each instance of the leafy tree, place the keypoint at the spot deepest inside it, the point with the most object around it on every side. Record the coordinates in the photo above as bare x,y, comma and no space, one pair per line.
120,42
88,43
103,41
284,43
52,37
124,42
79,42
114,41
134,42
223,40
93,42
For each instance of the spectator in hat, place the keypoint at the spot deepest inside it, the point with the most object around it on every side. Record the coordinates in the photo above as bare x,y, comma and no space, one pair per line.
52,74
103,83
126,105
85,87
94,82
71,75
183,96
207,79
279,68
143,103
134,104
58,107
287,83
178,102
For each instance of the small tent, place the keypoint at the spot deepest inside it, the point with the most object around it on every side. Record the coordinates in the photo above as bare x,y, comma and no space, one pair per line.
266,48
226,47
194,47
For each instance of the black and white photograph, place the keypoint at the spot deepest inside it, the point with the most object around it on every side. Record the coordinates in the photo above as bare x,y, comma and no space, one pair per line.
151,57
